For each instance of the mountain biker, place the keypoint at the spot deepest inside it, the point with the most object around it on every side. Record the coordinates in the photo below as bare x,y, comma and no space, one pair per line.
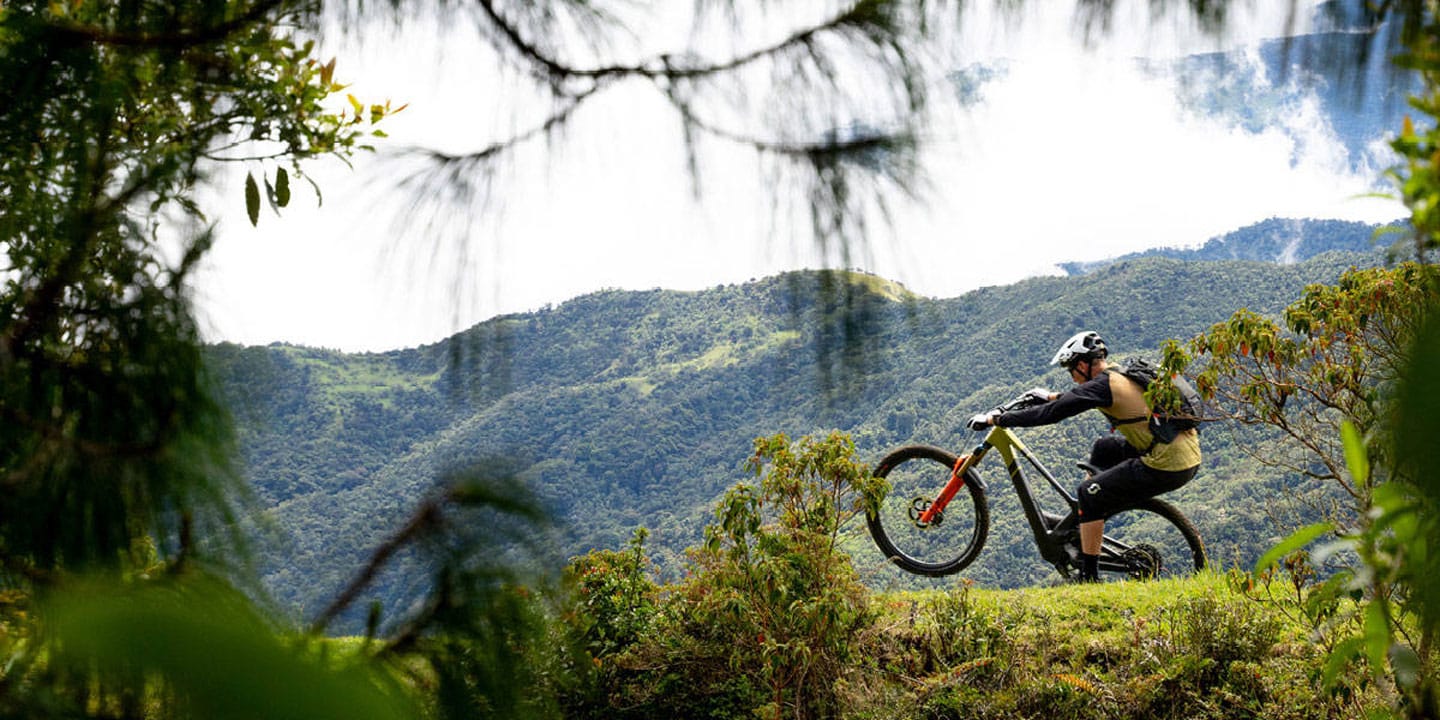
1123,468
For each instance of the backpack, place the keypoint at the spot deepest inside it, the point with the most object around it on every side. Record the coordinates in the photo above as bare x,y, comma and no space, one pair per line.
1165,425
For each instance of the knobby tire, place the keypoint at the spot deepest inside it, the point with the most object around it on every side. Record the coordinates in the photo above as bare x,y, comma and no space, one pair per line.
1160,525
943,548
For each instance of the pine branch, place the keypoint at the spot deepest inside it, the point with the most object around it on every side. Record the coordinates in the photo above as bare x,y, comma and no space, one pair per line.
75,33
423,521
870,18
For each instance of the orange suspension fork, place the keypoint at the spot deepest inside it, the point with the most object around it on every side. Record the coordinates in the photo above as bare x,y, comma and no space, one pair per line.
957,481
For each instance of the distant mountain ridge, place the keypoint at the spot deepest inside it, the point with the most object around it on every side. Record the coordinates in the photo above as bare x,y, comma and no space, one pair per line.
1277,240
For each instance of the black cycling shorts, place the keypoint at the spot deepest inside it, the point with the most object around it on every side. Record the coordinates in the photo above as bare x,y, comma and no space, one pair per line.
1123,480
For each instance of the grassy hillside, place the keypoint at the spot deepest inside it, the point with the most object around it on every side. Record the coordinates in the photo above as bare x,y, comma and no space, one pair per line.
782,626
1195,648
628,409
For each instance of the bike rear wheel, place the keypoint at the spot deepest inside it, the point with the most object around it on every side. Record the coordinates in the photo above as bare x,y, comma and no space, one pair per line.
1151,540
917,474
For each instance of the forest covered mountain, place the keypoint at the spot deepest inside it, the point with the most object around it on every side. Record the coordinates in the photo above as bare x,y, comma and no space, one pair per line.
627,409
1283,241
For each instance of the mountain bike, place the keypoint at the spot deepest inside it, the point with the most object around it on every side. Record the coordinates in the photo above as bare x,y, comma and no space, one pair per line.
935,517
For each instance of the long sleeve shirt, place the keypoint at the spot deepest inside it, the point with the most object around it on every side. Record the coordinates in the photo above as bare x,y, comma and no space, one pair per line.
1089,395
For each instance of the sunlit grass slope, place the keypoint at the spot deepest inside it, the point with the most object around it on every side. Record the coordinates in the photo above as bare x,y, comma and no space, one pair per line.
1195,648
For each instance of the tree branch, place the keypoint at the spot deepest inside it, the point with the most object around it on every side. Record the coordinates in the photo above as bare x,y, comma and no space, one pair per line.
77,33
661,66
426,517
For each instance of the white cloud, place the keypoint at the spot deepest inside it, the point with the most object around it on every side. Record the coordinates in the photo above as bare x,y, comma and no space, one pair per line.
1076,158
1072,156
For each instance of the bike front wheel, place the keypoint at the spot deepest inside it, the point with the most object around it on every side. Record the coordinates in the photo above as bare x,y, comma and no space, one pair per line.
917,474
1151,540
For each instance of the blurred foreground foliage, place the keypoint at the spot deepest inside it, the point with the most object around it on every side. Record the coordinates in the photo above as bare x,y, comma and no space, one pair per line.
1350,378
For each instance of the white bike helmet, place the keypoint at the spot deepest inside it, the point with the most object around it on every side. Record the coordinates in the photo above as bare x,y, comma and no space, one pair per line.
1086,345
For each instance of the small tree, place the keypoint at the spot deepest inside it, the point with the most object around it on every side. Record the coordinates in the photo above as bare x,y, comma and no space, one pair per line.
614,608
1334,357
1373,339
771,590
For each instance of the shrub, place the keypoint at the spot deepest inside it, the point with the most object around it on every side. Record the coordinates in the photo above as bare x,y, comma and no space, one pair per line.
616,601
771,593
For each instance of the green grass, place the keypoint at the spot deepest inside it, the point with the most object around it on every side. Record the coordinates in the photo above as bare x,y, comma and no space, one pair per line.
887,289
372,376
1193,647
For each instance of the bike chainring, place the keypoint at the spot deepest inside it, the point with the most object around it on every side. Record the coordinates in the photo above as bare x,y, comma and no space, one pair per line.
1143,561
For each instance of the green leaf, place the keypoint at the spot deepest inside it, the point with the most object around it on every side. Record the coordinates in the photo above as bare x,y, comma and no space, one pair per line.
319,198
1300,538
1406,665
1340,657
252,199
1356,458
1419,395
1377,636
215,653
1393,497
282,187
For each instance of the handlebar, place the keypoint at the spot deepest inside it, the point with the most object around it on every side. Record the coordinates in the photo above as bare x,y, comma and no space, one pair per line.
1025,400
1020,402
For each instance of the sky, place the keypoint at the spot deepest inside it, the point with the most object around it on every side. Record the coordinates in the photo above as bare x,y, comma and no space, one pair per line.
1073,155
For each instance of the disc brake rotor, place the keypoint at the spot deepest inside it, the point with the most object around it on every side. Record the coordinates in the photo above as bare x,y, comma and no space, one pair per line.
918,506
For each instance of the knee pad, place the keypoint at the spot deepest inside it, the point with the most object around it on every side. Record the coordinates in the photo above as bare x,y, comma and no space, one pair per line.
1089,493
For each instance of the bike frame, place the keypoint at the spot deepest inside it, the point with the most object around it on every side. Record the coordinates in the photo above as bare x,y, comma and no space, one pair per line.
1051,531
